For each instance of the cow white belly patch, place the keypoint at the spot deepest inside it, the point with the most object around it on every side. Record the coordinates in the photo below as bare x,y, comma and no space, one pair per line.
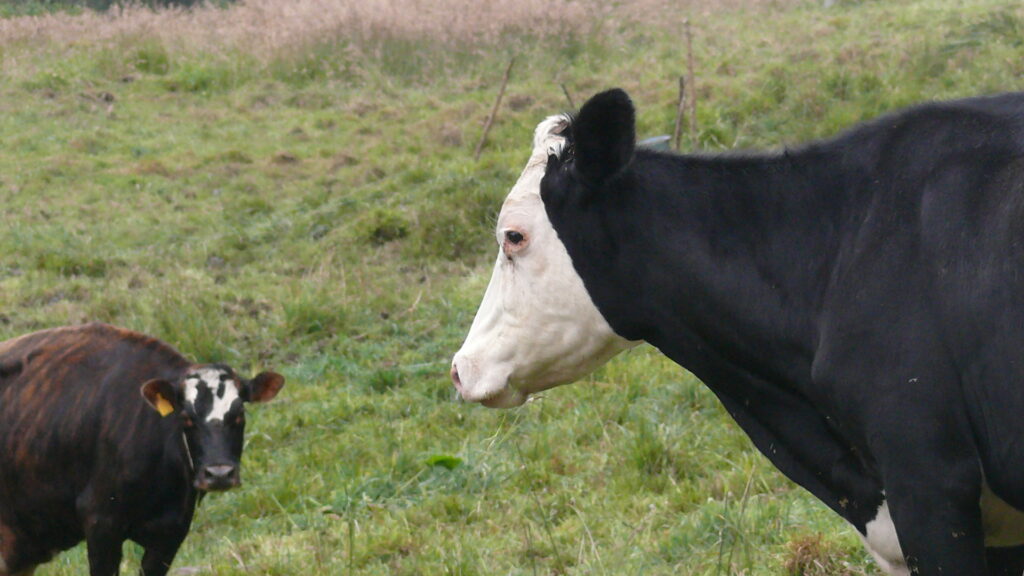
882,543
1002,524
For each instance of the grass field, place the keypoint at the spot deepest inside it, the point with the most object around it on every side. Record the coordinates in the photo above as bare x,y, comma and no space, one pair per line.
291,186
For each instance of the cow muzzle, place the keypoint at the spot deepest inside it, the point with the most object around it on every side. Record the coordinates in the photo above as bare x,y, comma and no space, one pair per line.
492,392
217,478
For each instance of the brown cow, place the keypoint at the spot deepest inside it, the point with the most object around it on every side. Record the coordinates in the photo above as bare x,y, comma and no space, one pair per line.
83,455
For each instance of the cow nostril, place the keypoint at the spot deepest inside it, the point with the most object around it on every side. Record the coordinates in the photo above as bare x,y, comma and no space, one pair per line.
220,472
455,378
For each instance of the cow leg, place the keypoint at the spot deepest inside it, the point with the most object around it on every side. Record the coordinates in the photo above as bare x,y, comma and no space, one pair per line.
104,558
103,543
9,551
157,561
932,481
939,529
1005,561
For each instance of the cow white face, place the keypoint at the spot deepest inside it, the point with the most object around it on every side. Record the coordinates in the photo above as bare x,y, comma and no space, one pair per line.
537,327
211,392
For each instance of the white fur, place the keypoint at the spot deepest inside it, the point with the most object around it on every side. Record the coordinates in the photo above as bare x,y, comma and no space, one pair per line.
883,544
1002,524
210,378
537,326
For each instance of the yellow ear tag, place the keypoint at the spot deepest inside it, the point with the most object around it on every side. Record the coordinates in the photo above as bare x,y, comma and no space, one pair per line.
163,406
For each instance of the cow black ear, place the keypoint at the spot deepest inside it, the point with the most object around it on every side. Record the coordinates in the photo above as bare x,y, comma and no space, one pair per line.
160,395
264,387
604,136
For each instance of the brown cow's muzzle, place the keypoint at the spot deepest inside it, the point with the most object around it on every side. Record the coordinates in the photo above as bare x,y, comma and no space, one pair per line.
218,478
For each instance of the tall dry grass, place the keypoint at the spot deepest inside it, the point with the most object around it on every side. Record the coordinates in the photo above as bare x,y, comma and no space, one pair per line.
264,29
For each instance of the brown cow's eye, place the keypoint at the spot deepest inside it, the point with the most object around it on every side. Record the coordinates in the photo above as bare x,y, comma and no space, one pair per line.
514,237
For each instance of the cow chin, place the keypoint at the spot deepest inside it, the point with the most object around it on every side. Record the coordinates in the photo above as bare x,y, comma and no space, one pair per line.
215,485
500,396
507,397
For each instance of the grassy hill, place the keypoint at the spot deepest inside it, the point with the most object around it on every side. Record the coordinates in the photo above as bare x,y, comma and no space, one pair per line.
291,185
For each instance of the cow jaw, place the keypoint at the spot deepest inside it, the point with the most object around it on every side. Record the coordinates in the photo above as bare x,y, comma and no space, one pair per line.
537,326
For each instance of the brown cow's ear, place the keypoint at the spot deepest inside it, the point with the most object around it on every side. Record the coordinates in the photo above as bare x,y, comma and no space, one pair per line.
160,395
264,387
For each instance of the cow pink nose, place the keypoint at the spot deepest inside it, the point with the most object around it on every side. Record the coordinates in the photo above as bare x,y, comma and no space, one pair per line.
455,378
221,472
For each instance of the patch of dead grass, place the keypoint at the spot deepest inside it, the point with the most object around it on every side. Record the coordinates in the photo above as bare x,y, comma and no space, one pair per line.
811,555
265,29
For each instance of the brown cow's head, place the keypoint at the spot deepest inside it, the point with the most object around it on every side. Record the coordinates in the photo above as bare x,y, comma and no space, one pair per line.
209,402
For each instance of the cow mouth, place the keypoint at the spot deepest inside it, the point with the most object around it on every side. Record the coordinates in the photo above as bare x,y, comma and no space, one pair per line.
505,400
204,485
503,396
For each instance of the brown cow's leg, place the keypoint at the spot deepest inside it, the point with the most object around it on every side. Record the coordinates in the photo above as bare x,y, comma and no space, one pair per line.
156,562
103,543
6,543
104,558
7,552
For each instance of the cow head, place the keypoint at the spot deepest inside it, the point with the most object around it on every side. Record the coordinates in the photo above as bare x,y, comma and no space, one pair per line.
537,326
209,402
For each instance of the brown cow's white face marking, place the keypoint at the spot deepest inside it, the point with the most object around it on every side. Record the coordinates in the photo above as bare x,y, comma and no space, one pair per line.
211,392
536,327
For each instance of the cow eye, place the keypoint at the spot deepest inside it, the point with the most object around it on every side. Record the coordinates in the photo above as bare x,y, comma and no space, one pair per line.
513,241
240,419
186,421
514,237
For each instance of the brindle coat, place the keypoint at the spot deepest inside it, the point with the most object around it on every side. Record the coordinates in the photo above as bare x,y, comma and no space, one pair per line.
84,456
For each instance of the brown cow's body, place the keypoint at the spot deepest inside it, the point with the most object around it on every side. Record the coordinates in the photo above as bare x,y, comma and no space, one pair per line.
83,456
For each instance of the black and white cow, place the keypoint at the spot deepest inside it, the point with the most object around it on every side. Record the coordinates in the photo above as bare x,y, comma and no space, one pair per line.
857,304
84,455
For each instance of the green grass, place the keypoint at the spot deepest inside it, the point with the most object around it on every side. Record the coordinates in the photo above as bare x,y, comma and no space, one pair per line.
317,211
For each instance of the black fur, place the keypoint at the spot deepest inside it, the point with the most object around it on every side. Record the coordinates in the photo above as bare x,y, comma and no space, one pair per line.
603,136
857,304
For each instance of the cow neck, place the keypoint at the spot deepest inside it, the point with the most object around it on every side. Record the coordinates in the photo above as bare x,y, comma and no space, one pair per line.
720,259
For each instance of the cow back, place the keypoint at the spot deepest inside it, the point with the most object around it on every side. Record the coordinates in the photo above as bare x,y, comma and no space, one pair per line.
73,423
